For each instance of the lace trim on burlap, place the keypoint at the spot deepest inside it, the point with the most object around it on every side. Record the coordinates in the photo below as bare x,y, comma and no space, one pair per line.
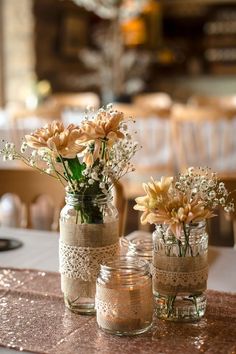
180,278
123,309
123,302
172,282
111,310
84,262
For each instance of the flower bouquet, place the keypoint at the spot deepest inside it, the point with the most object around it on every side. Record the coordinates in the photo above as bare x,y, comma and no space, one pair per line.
88,160
179,207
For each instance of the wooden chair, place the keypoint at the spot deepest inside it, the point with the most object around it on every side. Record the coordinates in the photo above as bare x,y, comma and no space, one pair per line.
154,157
44,113
130,110
222,229
39,198
227,103
33,200
120,202
204,136
74,100
24,121
157,103
230,183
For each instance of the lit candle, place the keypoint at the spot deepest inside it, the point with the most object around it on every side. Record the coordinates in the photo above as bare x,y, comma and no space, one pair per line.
124,297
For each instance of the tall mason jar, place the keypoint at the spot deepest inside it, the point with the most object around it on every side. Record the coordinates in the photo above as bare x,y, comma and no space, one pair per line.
124,299
89,236
180,270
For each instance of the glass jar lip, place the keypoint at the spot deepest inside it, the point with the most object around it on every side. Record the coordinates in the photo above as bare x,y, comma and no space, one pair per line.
79,197
126,266
143,250
200,223
140,242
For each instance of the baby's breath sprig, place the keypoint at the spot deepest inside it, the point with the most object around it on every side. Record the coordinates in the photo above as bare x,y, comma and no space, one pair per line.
203,184
189,198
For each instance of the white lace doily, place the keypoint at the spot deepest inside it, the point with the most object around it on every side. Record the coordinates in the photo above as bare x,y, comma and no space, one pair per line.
84,262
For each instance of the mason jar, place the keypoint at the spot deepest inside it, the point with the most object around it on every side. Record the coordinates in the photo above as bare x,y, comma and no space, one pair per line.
139,244
124,300
179,271
89,236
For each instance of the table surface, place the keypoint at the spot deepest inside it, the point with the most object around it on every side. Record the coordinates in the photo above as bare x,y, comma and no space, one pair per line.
40,251
34,318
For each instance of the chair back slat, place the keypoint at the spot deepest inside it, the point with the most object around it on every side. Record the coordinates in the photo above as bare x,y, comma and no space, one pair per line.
79,100
204,137
154,157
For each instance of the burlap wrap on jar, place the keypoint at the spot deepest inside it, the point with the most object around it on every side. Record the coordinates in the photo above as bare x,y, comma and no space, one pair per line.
124,309
82,248
179,275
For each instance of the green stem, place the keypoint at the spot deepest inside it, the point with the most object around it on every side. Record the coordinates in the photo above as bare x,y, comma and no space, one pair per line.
58,173
66,172
59,178
180,248
71,302
170,304
194,297
77,217
187,245
25,161
103,149
82,217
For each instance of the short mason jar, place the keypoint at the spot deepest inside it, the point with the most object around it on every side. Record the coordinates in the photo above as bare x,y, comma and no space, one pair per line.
180,271
139,244
89,236
124,300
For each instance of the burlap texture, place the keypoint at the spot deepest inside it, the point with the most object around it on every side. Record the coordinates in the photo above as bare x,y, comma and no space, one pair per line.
179,275
85,235
124,309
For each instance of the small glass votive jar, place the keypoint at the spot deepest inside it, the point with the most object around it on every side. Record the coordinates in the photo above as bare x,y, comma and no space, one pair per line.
124,300
139,244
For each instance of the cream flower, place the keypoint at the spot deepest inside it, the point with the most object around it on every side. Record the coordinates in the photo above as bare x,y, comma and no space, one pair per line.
103,132
146,205
158,188
60,140
163,204
106,125
177,212
156,192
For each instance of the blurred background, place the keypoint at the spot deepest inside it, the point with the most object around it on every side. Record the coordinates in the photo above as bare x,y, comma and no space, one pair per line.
188,49
170,64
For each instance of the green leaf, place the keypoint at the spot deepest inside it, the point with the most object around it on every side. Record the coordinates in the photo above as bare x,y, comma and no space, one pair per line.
76,168
58,159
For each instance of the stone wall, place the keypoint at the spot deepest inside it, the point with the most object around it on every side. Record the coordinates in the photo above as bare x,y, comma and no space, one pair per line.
18,48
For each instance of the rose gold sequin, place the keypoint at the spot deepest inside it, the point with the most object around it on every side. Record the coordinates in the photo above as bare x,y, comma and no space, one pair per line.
33,318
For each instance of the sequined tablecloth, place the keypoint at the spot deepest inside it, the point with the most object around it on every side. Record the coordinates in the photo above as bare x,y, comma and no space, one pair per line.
33,318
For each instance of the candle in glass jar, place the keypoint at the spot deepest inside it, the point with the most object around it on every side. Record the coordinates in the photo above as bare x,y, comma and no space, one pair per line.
124,297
